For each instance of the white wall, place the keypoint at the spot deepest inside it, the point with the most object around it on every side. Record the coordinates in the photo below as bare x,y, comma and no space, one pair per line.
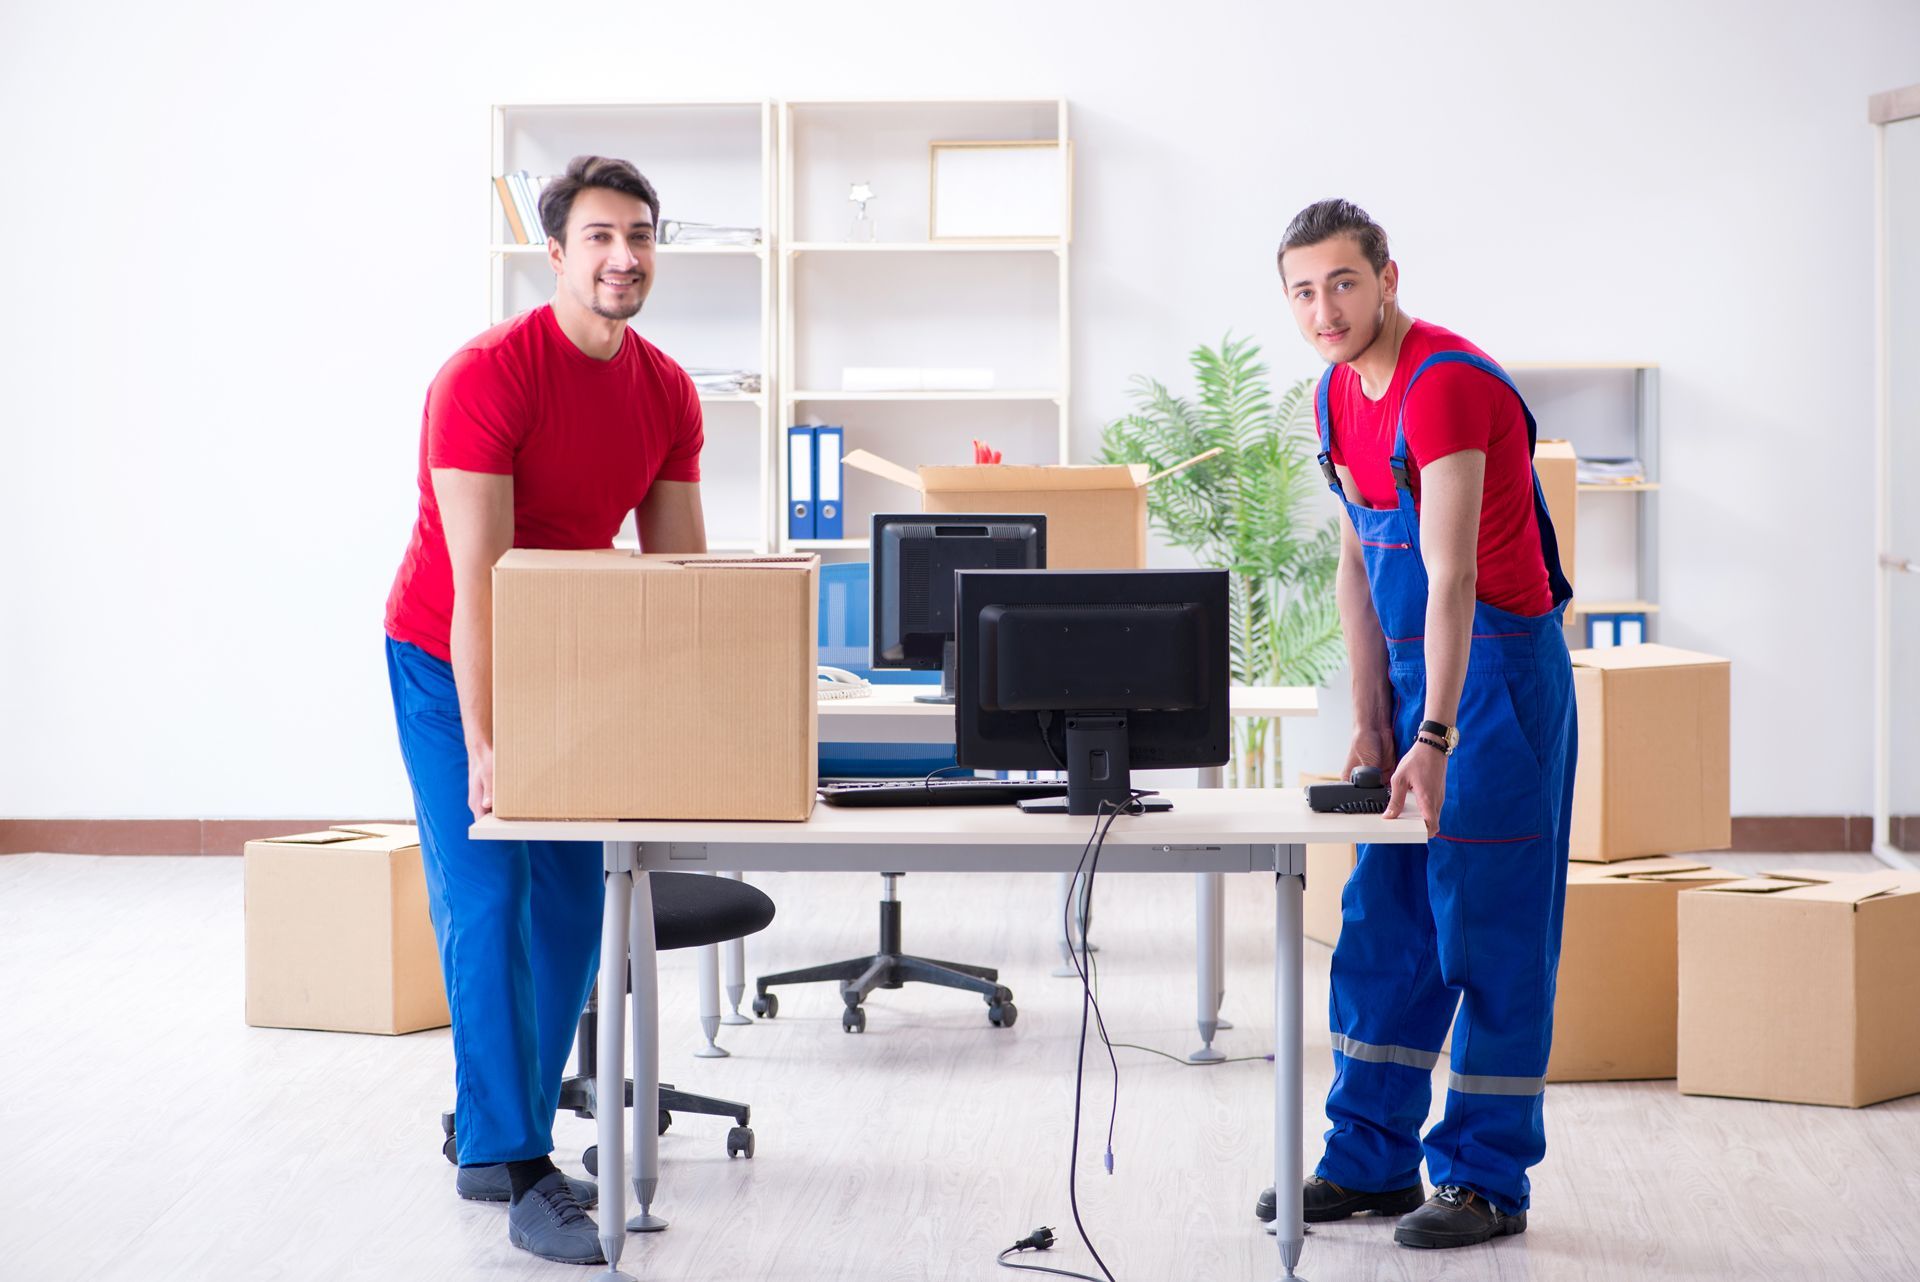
241,241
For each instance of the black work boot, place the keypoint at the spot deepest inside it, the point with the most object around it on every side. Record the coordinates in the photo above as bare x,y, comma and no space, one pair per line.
1456,1216
1321,1201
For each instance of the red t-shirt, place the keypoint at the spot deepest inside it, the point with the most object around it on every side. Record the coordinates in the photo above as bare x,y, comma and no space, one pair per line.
1453,407
583,439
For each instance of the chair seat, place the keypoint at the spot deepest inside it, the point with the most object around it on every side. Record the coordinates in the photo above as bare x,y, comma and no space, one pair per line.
691,909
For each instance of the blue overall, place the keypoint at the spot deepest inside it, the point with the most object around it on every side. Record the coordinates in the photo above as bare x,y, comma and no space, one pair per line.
1471,919
518,923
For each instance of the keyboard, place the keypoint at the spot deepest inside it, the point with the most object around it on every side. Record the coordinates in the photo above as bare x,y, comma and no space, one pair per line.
938,792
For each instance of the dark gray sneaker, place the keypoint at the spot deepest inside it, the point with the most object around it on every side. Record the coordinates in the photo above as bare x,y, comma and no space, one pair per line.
548,1222
490,1184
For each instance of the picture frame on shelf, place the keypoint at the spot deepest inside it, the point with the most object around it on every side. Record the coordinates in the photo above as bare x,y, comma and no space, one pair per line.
1006,191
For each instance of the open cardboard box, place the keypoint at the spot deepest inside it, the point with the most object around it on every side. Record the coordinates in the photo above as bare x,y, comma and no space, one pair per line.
1802,986
1096,513
338,934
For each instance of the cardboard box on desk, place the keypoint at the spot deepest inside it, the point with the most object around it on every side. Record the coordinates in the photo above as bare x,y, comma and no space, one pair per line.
1652,777
338,936
1096,515
1802,987
1615,1015
654,687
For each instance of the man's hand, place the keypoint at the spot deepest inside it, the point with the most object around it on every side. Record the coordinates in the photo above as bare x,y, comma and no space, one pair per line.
480,778
1370,747
1423,774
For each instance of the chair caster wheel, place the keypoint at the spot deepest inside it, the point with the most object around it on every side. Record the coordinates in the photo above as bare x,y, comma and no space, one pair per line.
740,1142
766,1006
448,1150
1002,1014
666,1120
446,1125
854,1019
591,1159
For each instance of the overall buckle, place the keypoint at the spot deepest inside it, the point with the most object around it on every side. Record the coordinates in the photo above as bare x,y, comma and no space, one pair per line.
1327,469
1402,473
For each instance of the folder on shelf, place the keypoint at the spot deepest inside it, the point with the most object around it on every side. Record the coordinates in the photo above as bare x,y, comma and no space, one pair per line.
801,472
829,510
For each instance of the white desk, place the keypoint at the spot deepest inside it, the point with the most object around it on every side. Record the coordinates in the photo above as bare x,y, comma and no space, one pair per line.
892,714
1208,831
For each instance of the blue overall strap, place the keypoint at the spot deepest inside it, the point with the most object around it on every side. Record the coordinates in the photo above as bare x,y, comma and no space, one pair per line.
1325,421
1549,541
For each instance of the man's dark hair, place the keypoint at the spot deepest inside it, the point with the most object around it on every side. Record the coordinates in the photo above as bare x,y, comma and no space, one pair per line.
556,202
1325,219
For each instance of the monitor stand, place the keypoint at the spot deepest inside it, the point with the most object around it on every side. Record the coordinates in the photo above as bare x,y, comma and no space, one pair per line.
946,694
1098,771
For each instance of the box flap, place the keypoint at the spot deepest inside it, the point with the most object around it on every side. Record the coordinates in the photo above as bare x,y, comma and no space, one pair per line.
868,462
326,838
1012,477
1553,449
1648,655
1753,886
410,831
1857,890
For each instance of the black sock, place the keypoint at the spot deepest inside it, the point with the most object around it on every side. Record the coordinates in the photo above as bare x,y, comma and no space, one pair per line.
524,1175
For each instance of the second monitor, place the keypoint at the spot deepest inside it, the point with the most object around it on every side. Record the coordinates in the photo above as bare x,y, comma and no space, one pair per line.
915,557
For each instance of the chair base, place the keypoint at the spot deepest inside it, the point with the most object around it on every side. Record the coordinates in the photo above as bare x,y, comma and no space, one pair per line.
858,977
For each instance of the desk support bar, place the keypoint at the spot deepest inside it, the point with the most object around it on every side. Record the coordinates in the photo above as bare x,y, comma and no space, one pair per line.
610,1072
1288,1077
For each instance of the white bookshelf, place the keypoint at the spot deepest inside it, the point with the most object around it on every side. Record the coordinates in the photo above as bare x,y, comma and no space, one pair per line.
905,300
711,305
1606,409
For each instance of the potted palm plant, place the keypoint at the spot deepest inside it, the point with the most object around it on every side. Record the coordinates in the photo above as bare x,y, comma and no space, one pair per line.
1249,510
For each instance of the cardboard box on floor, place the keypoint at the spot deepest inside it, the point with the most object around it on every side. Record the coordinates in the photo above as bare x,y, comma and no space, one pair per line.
1652,776
1802,986
1616,1010
338,936
1096,514
1558,470
654,687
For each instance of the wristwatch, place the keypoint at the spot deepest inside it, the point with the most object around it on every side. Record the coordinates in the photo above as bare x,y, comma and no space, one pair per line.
1444,737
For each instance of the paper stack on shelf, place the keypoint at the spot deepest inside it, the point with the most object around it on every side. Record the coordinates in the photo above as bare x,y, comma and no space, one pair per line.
724,382
676,231
1611,471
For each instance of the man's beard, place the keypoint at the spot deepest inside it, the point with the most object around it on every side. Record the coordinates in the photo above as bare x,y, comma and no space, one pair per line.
615,313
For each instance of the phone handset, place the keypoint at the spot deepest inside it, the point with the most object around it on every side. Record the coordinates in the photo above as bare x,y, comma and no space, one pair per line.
838,683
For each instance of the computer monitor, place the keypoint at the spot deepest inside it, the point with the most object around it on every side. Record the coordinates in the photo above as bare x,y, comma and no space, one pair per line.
915,557
1095,672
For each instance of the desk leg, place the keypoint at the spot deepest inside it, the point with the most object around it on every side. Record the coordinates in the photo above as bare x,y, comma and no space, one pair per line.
1288,1071
709,965
1207,889
1209,947
736,955
1073,891
646,1054
610,1069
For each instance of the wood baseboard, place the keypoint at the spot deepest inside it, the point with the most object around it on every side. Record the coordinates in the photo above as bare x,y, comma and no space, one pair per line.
149,836
1758,834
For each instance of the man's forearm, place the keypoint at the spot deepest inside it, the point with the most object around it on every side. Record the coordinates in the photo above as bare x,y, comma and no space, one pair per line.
472,646
1366,647
1449,637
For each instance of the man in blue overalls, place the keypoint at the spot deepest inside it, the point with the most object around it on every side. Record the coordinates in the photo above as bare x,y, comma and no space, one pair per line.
1451,594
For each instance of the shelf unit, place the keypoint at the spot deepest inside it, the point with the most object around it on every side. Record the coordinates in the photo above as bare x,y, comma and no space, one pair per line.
1606,408
904,299
710,161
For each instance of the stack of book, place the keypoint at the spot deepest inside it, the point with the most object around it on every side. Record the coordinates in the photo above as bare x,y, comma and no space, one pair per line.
519,194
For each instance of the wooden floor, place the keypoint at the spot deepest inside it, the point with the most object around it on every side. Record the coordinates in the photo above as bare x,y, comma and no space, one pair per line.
147,1133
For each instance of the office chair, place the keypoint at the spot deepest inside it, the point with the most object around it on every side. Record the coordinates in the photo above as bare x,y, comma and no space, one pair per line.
689,910
844,627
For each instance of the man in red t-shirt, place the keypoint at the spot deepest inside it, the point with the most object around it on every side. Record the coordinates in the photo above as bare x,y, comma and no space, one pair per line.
546,431
1450,593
